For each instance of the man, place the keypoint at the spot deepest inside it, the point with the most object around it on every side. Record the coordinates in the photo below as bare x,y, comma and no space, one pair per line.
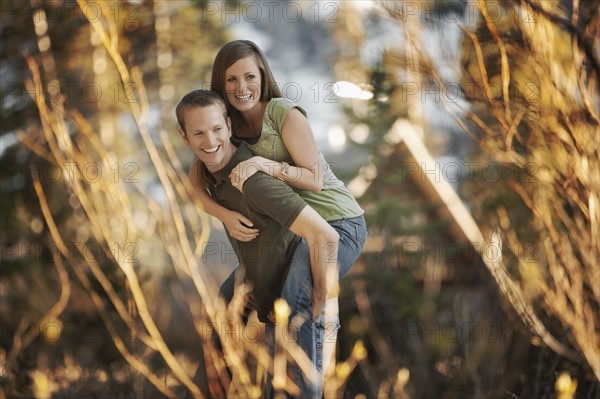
288,226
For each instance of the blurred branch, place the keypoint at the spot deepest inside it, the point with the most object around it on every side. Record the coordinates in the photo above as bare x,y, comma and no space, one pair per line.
562,195
570,27
112,212
34,147
513,292
20,343
135,363
505,68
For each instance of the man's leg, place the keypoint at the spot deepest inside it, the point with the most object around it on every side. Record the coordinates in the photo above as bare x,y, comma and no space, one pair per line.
200,378
297,292
226,292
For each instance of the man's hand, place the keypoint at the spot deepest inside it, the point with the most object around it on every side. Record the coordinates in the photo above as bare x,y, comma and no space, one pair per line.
240,227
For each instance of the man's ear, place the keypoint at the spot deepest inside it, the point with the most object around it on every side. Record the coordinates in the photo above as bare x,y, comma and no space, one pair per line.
184,136
229,126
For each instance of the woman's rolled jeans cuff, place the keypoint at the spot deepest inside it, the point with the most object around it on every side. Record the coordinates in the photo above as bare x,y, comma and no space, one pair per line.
326,330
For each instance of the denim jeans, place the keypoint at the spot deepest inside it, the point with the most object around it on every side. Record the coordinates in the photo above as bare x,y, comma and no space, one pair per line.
319,337
353,234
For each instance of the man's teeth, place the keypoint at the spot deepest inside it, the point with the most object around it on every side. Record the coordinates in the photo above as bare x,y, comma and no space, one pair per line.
210,150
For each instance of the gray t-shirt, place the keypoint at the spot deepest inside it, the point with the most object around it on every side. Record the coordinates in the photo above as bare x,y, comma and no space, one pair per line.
272,206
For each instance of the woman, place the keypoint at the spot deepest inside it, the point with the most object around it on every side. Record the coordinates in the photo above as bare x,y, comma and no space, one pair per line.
280,136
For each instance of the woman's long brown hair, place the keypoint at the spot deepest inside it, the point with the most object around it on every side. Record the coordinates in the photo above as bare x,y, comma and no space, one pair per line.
229,55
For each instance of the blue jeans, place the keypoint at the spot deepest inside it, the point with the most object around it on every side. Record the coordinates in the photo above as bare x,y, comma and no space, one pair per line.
297,292
353,234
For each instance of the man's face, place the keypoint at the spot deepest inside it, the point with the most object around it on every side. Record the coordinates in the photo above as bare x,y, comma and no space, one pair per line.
207,134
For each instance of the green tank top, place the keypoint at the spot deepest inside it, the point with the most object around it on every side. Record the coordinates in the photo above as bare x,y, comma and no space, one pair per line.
334,201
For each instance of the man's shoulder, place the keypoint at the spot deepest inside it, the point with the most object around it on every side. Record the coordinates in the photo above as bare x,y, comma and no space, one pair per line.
259,182
274,198
262,189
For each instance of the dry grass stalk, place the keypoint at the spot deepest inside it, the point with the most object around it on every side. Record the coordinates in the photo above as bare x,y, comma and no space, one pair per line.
554,132
111,208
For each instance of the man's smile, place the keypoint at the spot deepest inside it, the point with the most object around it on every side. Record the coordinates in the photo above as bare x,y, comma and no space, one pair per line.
211,150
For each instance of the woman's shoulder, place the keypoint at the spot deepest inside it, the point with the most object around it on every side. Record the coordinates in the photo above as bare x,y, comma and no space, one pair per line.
278,107
281,102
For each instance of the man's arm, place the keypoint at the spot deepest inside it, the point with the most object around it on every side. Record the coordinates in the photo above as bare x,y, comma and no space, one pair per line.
235,223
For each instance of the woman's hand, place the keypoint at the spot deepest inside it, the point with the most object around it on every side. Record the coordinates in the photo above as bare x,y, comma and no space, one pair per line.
240,227
245,169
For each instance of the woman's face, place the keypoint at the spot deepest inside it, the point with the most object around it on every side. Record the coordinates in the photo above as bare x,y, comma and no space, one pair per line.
243,83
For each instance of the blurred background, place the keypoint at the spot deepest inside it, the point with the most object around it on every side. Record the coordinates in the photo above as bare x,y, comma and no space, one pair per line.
467,130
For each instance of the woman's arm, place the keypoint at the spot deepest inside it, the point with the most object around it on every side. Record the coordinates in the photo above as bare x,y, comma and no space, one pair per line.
299,141
323,242
238,226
